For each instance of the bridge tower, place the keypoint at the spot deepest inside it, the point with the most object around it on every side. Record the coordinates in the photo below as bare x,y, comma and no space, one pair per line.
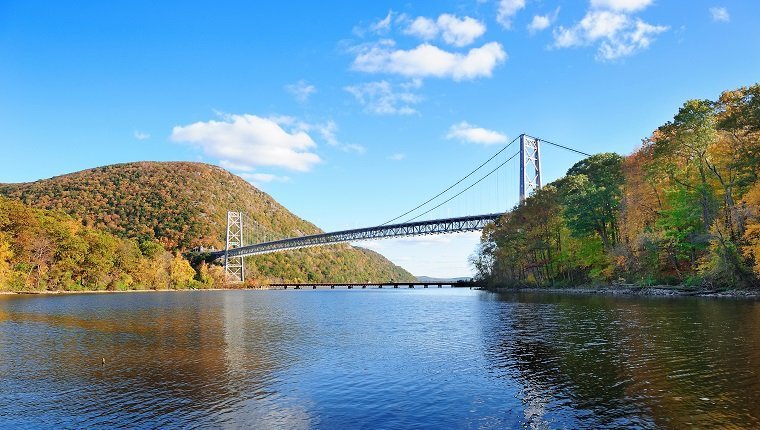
233,266
530,166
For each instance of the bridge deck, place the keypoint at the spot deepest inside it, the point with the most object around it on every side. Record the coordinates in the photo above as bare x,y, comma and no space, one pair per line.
418,228
351,285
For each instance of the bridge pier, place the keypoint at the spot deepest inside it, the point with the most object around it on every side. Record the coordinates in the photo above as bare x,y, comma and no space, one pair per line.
234,265
313,287
332,287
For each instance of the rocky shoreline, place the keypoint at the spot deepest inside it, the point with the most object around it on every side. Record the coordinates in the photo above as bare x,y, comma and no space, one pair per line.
637,290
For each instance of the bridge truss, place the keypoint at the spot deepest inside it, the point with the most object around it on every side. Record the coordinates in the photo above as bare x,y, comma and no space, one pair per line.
419,228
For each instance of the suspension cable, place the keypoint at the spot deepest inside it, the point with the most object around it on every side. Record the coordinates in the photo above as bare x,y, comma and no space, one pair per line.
562,146
455,184
471,185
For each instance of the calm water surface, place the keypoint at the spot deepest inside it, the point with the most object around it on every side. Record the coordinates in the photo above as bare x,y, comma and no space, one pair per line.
435,358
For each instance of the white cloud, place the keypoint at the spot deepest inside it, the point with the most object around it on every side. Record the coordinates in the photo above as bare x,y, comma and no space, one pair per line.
327,131
429,61
301,90
507,10
631,42
397,156
621,5
617,34
424,28
542,22
470,133
382,98
720,14
454,30
262,178
250,140
139,135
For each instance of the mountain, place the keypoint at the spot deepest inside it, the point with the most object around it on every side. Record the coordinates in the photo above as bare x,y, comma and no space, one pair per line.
183,205
432,279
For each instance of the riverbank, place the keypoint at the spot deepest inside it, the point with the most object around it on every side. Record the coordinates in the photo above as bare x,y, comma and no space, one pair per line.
164,290
636,290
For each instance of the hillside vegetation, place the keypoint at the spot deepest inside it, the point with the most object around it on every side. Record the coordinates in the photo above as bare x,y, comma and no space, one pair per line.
179,206
682,209
46,250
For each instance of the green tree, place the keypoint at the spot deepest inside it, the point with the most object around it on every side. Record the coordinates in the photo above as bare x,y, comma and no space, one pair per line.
590,194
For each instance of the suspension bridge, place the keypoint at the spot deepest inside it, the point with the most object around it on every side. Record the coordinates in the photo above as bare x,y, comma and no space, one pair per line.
530,179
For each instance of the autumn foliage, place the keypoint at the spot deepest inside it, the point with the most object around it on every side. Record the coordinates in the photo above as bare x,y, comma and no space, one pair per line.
682,209
129,225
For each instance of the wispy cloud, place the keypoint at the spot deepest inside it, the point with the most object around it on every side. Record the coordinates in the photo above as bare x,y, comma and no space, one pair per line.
467,132
384,98
383,25
397,156
379,26
139,135
329,130
301,90
231,165
720,14
407,241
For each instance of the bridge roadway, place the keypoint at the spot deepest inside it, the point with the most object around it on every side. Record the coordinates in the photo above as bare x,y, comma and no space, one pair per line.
351,285
418,228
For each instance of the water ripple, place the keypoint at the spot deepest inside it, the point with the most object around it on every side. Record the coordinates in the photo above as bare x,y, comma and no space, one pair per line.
377,359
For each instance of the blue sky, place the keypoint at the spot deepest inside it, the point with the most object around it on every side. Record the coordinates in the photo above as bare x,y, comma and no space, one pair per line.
350,113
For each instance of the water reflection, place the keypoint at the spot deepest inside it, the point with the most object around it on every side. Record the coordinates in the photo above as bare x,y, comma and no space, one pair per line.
175,354
377,359
602,362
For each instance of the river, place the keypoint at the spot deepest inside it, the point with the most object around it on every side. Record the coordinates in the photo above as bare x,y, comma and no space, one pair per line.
374,359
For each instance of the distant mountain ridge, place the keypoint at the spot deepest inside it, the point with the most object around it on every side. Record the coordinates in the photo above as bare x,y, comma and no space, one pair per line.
184,205
432,279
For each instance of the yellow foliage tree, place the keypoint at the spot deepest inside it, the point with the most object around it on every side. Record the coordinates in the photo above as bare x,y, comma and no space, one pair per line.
181,272
751,249
6,254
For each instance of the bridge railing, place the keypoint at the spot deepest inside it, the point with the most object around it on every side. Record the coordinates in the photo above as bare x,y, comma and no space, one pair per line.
418,228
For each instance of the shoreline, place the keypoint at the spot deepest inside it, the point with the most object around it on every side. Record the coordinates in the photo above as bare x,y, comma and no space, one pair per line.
164,290
636,291
608,290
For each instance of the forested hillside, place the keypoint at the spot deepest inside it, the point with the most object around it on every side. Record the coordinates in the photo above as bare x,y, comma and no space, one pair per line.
183,205
46,250
682,209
